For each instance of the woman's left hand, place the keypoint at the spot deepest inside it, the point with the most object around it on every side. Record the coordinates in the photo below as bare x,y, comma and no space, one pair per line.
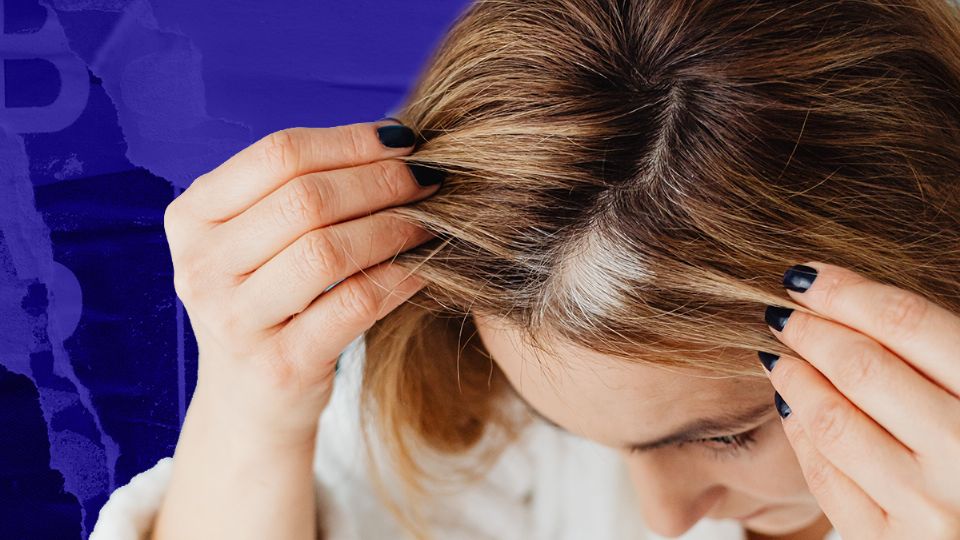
873,408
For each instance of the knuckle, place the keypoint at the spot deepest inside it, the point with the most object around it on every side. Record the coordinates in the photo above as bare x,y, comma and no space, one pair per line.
358,302
355,142
861,365
176,212
279,151
171,215
302,202
832,290
182,285
238,306
170,224
785,373
234,309
798,327
231,320
819,475
389,177
901,314
180,209
319,256
829,422
187,278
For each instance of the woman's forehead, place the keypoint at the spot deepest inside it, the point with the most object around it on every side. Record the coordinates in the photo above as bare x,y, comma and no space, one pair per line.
507,344
601,397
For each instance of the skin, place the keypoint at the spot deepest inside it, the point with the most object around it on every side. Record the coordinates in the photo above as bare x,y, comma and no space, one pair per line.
254,243
258,242
614,403
870,447
875,384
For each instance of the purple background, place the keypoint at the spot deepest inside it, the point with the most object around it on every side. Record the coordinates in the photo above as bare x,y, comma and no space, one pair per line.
109,109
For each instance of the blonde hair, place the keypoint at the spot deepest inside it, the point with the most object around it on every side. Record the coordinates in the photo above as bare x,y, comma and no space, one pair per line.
634,176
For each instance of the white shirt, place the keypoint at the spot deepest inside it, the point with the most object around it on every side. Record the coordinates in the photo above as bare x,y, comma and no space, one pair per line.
547,485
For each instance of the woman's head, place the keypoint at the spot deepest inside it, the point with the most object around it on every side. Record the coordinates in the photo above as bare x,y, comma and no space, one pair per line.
632,406
630,179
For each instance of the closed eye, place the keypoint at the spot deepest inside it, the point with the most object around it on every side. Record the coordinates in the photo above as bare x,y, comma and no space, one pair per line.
729,445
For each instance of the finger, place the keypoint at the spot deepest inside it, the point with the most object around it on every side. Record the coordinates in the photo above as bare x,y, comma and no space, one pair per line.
265,165
309,202
290,281
337,317
852,442
852,512
914,328
869,375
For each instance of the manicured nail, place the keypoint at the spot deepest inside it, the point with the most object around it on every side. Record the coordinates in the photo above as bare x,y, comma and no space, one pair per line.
394,136
768,359
777,316
799,277
395,119
782,406
427,176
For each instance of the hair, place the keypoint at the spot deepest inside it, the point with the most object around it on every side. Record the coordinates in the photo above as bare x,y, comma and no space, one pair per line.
634,176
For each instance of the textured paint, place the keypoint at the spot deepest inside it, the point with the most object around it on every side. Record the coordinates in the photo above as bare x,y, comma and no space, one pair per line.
110,108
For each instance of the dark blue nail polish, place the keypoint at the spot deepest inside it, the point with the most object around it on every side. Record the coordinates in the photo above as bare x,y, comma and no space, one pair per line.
799,277
394,136
777,316
782,406
768,359
427,176
394,118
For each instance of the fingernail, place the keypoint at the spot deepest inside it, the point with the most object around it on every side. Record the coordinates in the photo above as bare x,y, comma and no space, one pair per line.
427,176
799,277
782,406
777,316
768,359
394,136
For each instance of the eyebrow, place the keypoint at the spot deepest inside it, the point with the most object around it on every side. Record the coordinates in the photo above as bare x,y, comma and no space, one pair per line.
725,423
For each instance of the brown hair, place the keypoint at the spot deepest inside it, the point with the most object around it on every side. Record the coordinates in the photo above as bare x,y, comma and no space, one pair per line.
634,176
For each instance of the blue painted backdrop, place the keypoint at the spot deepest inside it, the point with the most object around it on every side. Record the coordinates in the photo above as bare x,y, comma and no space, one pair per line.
109,109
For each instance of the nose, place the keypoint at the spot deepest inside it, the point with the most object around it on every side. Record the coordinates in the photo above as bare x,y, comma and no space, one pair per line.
674,495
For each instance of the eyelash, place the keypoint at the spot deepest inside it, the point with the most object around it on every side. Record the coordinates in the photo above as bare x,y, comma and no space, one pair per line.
741,442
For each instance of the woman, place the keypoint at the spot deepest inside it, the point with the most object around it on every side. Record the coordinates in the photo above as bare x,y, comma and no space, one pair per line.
628,185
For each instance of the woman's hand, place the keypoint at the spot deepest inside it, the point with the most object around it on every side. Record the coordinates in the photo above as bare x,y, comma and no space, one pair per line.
257,240
873,412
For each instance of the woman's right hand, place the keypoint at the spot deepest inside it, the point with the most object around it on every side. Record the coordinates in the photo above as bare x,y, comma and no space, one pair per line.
257,240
